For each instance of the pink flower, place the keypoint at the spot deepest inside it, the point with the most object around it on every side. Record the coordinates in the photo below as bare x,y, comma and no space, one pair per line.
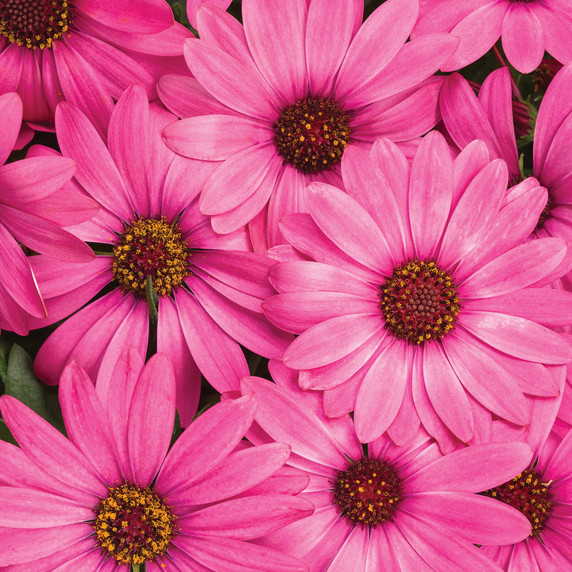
150,229
392,508
542,492
527,29
490,119
422,299
84,51
114,494
33,208
275,103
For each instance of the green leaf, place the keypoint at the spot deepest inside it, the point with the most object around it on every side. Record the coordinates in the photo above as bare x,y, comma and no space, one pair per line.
5,434
4,351
22,384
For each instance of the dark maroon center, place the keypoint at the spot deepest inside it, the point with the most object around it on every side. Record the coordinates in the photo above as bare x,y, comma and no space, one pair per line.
34,23
368,491
312,134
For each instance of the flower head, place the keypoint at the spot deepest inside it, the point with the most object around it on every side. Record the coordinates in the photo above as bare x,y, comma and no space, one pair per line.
420,302
115,495
296,86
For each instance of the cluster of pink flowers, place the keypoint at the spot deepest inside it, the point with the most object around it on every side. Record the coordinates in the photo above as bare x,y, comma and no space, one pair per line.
303,289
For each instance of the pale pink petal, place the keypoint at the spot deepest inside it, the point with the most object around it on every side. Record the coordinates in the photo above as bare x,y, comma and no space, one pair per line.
275,32
193,5
522,38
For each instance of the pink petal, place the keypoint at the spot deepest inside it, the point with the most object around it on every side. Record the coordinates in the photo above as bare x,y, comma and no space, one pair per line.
10,120
151,419
352,555
522,38
193,5
205,443
275,35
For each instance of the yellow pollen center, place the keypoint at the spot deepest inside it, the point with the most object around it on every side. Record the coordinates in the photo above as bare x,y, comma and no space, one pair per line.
133,525
419,302
151,248
34,23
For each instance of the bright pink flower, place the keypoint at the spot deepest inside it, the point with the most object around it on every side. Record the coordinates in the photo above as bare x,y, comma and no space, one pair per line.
210,288
194,507
490,119
275,103
392,508
527,28
543,493
422,297
84,51
33,208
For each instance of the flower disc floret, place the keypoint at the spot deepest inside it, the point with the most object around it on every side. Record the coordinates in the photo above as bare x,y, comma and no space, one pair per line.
34,23
151,247
419,302
133,524
527,493
367,492
312,134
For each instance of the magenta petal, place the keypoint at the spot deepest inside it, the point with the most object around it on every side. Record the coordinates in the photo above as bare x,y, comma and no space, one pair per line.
206,442
353,553
151,419
10,121
193,5
86,422
249,517
473,469
216,553
234,474
518,337
381,392
523,39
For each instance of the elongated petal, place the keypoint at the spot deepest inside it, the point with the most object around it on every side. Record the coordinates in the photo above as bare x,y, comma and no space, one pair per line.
10,120
522,39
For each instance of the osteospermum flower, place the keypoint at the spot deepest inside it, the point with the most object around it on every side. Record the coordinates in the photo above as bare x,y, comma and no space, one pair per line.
527,29
277,102
421,297
390,508
153,238
84,51
542,493
33,208
490,119
114,496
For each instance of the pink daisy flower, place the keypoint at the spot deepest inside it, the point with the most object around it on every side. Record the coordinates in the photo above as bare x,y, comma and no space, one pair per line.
151,234
542,492
33,208
392,508
490,119
528,28
277,102
114,495
86,52
421,297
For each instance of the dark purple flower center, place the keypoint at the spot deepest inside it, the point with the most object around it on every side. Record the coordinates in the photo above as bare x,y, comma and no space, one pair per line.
34,23
151,248
134,525
367,492
312,134
419,302
544,215
528,494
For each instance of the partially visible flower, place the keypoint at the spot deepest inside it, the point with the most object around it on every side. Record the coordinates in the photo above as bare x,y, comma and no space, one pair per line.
544,75
390,508
276,102
33,208
543,493
114,495
151,236
421,296
528,28
490,119
86,52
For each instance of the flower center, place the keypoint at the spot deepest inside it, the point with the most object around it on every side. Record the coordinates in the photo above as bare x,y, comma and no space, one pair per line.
34,23
419,302
151,247
133,524
544,215
312,134
368,492
527,494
